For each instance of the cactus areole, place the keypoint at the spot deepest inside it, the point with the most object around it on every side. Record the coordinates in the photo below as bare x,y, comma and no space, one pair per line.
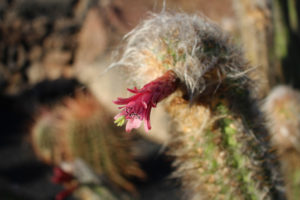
137,108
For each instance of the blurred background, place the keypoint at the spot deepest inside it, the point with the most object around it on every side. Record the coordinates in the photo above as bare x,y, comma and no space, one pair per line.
57,137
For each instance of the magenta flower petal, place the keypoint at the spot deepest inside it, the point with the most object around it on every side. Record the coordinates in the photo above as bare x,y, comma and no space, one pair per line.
61,177
137,108
133,123
133,90
147,125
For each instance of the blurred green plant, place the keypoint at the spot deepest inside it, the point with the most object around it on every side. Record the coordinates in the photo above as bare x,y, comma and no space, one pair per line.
81,128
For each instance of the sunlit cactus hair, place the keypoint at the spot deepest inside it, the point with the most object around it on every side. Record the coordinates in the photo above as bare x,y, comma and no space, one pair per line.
219,140
191,46
80,127
282,108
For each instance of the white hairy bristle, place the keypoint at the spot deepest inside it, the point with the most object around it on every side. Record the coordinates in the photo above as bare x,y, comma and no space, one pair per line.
188,44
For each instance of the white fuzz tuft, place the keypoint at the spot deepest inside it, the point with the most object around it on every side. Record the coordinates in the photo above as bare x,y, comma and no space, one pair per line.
189,45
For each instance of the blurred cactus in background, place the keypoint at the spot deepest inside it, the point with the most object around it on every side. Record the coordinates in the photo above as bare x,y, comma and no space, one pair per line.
255,29
286,22
270,34
81,128
283,112
220,143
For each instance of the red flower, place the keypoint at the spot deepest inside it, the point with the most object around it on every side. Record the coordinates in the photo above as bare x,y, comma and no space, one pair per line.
61,176
138,107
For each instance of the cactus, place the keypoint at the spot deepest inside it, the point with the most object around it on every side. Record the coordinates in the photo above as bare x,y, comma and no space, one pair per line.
220,143
282,111
80,128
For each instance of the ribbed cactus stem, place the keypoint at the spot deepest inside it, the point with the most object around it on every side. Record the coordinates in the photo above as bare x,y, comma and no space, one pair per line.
218,154
236,144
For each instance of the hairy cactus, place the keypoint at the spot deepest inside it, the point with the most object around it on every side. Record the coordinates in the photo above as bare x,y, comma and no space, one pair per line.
282,107
220,144
81,128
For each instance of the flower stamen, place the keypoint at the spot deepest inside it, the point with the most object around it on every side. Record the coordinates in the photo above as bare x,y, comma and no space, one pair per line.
120,121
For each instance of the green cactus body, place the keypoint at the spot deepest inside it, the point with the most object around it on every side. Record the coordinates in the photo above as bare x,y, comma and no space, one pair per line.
218,157
240,151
